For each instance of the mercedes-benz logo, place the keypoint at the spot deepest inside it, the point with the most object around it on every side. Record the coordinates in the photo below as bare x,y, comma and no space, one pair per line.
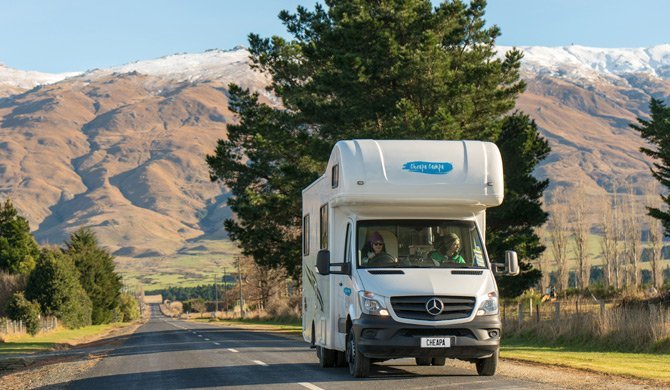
434,306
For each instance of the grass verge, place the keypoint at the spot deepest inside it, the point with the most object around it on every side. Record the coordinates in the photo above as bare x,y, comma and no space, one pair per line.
54,340
637,365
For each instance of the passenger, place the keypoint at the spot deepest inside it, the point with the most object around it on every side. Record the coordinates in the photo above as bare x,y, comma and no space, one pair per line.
376,252
447,250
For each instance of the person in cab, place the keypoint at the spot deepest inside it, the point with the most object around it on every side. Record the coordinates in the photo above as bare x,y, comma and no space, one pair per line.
376,252
447,252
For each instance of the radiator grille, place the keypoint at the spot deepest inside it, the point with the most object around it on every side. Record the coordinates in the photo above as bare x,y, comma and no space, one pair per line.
415,307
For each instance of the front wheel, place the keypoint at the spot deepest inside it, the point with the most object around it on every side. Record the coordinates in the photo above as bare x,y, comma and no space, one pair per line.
487,366
359,365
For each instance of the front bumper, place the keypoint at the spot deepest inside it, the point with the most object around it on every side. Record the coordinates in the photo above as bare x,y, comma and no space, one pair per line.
385,338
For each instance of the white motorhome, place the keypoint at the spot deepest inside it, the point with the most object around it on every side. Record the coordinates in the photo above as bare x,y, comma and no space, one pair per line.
394,262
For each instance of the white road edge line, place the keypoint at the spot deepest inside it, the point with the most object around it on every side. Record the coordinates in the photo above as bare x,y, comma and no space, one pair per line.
260,363
233,350
310,386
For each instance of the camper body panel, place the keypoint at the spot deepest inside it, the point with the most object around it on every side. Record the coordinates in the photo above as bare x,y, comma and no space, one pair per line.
367,181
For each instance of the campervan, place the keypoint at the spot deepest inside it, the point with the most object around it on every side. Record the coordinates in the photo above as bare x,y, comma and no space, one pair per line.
394,262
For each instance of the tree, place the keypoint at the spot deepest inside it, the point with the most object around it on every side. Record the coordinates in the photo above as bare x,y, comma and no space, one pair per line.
54,284
21,309
18,249
96,274
580,234
558,233
655,237
512,225
128,308
657,132
386,69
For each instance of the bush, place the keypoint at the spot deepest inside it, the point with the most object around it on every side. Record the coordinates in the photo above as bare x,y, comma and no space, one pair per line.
128,307
21,309
10,284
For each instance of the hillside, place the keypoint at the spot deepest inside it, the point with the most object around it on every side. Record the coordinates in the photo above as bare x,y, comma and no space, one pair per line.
122,150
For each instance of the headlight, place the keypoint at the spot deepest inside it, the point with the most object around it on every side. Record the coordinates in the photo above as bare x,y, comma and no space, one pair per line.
372,304
489,306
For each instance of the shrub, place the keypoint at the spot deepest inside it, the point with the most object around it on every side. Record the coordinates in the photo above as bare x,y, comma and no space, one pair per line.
128,307
21,309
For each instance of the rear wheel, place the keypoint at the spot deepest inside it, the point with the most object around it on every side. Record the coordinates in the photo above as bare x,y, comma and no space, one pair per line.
359,365
423,361
439,361
327,357
487,366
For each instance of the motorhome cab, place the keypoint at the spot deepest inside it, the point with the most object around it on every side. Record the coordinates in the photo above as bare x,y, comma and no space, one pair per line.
394,261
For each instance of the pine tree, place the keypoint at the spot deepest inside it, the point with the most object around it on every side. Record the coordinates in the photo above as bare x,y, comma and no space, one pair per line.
18,249
511,225
54,284
97,274
657,132
389,69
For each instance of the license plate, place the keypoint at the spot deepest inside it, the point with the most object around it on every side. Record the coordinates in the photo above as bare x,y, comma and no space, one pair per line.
435,342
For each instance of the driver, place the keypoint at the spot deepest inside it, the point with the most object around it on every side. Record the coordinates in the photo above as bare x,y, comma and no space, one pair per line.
447,250
377,256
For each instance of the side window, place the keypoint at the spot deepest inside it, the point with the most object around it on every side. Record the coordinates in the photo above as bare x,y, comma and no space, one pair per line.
347,245
335,176
324,227
305,235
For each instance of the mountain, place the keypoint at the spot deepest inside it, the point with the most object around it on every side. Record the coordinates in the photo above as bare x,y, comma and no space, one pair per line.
122,150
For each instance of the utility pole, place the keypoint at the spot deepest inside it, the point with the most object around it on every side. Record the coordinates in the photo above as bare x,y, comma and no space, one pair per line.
225,291
216,298
239,273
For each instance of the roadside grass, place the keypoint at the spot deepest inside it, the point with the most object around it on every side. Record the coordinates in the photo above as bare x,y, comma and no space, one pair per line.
637,365
44,342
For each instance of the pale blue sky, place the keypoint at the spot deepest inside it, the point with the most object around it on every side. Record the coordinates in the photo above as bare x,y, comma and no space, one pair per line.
76,35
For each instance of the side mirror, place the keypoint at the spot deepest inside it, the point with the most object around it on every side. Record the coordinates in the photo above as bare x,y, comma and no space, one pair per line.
511,266
323,262
511,263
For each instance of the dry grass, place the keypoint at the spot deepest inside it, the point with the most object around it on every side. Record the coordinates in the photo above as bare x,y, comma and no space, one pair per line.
619,328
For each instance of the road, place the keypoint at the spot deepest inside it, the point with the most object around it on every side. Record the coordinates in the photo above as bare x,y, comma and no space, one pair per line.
171,354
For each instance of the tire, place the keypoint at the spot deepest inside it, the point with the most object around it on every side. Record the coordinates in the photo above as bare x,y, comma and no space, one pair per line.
423,361
487,366
327,357
341,360
438,361
359,365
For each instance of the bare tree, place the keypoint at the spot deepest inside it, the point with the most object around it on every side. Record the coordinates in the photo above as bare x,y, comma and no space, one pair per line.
655,236
632,236
558,234
609,244
580,233
260,283
543,262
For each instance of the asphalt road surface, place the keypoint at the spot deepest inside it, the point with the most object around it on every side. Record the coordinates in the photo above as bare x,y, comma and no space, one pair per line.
172,354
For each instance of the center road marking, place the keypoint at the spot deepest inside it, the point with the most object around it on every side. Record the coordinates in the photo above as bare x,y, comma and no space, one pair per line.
199,335
233,350
206,339
215,343
310,386
260,363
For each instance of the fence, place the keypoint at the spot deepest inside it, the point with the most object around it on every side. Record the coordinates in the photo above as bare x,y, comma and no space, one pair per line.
9,327
634,326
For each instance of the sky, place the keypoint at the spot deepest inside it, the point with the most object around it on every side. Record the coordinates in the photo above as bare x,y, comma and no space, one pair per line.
76,35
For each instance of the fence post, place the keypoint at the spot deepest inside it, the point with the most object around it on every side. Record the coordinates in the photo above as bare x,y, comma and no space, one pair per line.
557,312
537,312
602,308
520,314
530,307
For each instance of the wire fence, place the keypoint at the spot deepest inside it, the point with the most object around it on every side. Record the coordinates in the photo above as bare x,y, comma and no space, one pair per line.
10,328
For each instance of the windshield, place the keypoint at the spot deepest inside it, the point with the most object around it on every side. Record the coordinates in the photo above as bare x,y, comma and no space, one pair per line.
423,243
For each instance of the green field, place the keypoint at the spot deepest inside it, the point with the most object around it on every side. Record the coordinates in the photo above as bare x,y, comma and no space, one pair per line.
54,340
190,267
637,365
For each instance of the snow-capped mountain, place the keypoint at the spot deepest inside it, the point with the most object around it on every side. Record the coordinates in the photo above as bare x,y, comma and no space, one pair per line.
122,149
